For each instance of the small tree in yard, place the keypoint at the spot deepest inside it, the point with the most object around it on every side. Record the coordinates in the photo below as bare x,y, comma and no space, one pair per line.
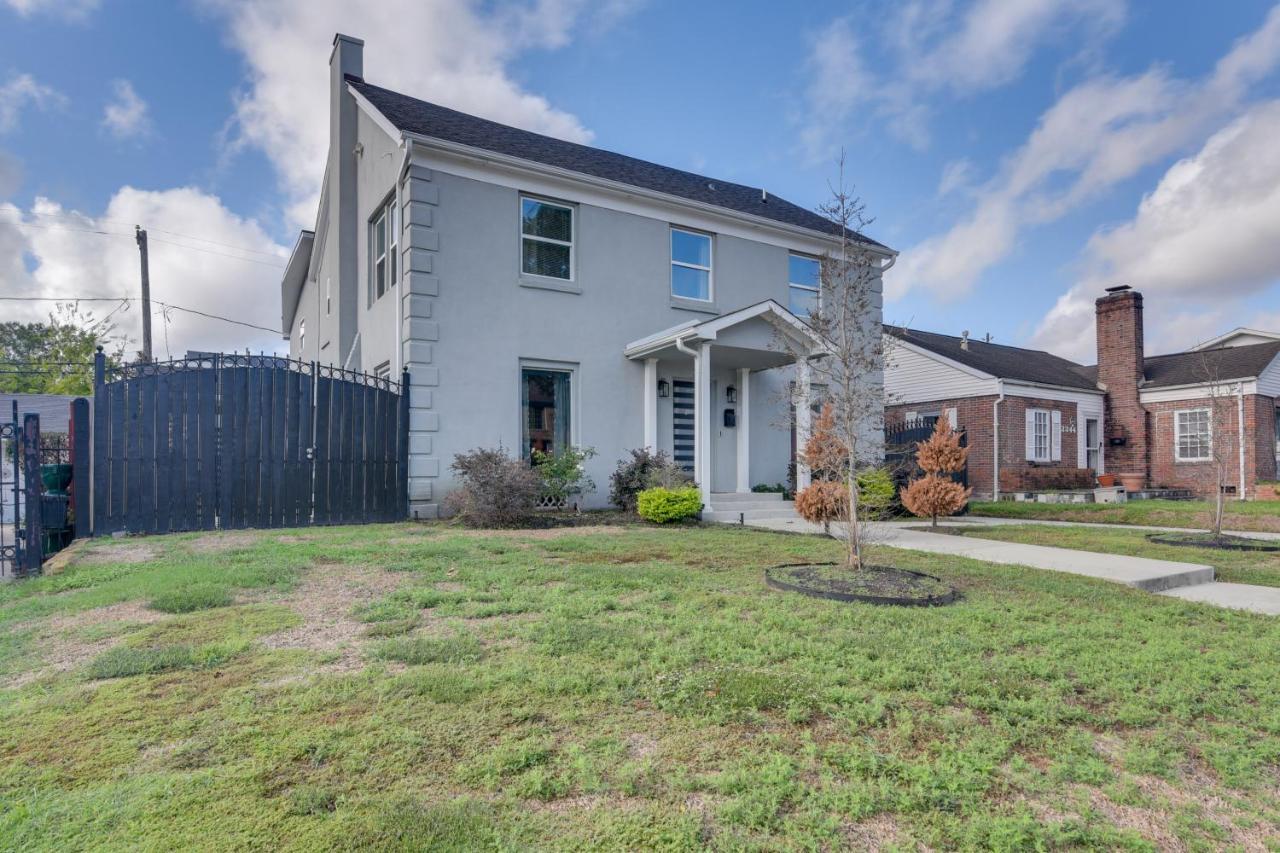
935,493
847,319
1225,406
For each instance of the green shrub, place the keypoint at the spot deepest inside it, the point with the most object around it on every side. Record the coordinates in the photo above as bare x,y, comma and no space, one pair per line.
188,599
564,474
663,505
876,491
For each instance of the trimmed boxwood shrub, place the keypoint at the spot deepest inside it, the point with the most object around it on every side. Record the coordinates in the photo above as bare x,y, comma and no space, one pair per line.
663,505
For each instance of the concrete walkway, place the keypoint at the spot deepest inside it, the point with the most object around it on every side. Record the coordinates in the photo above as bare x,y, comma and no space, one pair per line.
1188,581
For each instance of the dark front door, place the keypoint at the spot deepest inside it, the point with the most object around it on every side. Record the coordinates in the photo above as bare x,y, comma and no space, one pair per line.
682,424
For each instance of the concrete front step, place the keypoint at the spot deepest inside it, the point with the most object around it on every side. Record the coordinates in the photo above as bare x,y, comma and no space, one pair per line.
737,513
719,499
1236,596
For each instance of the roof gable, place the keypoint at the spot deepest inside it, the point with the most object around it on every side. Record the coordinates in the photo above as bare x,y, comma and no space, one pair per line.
1200,367
423,118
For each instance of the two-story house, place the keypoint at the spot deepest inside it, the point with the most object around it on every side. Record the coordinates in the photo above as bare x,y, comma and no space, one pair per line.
541,293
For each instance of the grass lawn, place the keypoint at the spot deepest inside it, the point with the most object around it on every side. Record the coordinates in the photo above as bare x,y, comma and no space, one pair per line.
420,687
1239,515
1256,567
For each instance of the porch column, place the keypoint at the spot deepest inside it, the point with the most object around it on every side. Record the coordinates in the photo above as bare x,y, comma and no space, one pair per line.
803,417
702,421
651,404
744,429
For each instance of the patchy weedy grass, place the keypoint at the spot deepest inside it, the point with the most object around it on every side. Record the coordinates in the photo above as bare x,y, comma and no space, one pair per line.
191,598
628,688
1255,567
1260,516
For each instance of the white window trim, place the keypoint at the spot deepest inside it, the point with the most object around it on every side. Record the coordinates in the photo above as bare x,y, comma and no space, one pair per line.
575,410
573,231
709,269
791,285
1178,430
385,211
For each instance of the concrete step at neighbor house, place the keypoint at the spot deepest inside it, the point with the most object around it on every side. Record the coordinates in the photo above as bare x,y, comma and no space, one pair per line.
746,512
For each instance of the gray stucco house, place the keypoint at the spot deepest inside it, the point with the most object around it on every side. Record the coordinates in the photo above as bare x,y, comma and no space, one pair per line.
541,292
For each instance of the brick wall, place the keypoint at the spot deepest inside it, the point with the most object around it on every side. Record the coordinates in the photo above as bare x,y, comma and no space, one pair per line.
974,415
1120,369
1259,445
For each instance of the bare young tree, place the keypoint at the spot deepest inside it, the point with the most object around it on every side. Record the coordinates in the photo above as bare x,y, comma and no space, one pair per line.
850,366
1224,418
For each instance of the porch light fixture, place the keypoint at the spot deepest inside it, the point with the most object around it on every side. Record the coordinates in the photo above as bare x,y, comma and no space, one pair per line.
664,388
731,394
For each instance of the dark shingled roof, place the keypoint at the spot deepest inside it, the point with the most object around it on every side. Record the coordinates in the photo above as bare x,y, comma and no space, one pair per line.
421,117
1211,365
1004,362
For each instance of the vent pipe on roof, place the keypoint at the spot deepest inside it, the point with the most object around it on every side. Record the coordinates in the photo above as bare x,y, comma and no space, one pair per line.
764,196
964,339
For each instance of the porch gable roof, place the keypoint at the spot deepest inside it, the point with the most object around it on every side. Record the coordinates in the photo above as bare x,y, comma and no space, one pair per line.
707,330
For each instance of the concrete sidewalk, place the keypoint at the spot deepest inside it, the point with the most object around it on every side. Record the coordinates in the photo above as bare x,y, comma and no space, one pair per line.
971,520
1188,581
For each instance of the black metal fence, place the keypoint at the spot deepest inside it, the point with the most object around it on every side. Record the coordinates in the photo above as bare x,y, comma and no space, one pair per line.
238,441
900,442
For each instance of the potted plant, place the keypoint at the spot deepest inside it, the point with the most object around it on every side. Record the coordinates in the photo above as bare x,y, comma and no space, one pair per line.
1106,481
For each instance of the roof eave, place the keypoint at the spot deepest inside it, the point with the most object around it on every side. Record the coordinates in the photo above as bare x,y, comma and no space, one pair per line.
295,274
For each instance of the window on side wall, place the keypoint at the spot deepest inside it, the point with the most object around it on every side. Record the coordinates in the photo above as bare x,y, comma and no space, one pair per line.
302,339
804,282
690,265
546,238
1192,435
382,248
546,398
383,371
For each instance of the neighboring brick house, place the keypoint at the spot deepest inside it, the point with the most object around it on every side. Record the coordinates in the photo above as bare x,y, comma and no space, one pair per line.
1033,420
1169,421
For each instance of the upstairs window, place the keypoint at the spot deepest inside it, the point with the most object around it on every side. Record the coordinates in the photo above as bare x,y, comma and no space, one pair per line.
690,265
546,238
1193,437
805,285
382,248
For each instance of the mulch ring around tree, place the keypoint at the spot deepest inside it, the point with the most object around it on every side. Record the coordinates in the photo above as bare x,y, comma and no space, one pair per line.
1224,541
870,585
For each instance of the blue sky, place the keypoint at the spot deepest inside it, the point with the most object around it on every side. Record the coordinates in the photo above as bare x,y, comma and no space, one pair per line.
1021,154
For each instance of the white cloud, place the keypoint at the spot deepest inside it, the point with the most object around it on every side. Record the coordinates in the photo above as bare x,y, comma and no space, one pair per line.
21,91
69,10
125,115
1097,134
453,52
198,274
932,47
1203,240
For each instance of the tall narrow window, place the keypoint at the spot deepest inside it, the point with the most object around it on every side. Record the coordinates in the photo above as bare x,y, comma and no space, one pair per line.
546,238
804,283
545,401
382,248
302,339
1193,435
690,265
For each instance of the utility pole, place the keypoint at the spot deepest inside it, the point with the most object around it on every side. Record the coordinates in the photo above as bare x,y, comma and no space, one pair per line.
141,236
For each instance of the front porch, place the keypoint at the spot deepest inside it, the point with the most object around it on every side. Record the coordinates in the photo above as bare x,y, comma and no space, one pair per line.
718,396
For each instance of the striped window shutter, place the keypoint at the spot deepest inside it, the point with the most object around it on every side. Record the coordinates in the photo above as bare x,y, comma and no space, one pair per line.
1055,433
1031,434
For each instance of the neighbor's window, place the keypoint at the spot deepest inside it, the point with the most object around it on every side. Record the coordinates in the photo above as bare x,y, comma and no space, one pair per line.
302,339
546,238
1192,435
690,265
544,404
382,248
383,371
805,285
1044,435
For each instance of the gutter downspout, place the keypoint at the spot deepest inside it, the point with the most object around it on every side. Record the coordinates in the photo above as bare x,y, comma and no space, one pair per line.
400,272
1240,433
995,442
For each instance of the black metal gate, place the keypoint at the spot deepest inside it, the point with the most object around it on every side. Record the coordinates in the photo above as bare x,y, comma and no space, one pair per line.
900,442
239,441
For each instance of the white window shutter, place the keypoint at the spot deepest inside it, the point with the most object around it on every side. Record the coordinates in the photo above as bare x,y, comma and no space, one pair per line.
1056,436
1031,434
952,419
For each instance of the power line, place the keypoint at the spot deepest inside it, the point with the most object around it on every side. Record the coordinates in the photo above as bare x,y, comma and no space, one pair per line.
60,217
137,299
67,228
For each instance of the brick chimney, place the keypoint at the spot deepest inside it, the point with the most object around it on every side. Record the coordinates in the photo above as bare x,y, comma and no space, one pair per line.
1120,371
